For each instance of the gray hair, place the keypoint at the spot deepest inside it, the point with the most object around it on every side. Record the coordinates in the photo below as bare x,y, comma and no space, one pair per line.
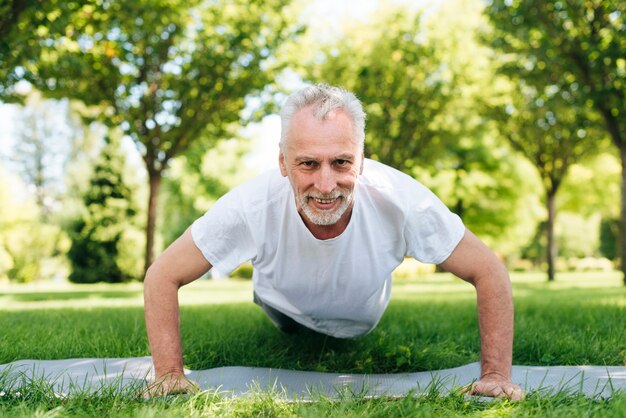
324,99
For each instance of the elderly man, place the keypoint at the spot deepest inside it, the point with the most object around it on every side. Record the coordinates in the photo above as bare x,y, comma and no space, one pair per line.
324,234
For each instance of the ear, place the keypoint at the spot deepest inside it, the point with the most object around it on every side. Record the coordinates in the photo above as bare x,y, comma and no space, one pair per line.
281,163
362,163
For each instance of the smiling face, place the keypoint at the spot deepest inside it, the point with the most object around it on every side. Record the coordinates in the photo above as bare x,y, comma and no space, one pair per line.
323,160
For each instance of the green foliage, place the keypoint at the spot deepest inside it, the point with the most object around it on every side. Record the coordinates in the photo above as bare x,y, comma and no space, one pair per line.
581,42
575,49
493,190
545,125
244,271
42,148
591,187
129,250
196,180
570,227
423,82
609,238
28,28
33,250
28,247
401,80
547,120
166,73
173,77
97,234
535,248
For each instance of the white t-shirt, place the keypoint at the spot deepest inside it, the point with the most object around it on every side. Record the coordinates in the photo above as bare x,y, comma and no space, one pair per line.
340,286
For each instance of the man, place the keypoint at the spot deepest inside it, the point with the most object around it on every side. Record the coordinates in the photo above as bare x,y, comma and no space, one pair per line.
324,235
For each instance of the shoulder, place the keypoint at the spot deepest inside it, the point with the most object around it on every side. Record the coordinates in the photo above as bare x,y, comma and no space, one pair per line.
385,180
387,187
231,214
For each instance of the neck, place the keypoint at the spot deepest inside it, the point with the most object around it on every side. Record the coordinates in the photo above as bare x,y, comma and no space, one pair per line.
324,232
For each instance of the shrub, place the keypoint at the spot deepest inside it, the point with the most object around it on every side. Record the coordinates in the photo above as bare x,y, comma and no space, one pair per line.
591,264
411,268
244,271
96,235
609,233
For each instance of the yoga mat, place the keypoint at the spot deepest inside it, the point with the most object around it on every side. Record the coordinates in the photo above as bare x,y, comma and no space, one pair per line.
98,375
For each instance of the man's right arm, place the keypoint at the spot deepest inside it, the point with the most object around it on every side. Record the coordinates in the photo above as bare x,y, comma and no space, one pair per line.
180,264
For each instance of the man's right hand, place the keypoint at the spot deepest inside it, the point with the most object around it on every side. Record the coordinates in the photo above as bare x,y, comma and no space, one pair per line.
179,265
170,384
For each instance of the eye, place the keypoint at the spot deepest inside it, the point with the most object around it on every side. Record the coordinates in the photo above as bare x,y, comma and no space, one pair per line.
308,163
342,163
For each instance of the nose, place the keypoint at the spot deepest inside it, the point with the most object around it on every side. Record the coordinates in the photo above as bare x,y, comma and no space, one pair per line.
326,181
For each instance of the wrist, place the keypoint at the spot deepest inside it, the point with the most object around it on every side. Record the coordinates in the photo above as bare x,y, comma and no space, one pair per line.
167,373
504,376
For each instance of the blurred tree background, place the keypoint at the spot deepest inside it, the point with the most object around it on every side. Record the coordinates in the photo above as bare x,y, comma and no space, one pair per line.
128,119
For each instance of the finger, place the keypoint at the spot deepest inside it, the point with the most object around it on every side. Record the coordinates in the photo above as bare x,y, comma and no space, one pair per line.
510,391
152,390
515,393
487,389
169,386
189,387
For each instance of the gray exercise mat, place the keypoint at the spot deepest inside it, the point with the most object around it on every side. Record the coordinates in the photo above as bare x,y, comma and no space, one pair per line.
97,375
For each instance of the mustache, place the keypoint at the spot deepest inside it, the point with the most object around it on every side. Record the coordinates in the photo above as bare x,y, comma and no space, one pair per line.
332,195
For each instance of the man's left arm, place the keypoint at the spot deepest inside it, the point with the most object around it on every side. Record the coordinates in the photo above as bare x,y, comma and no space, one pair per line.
473,262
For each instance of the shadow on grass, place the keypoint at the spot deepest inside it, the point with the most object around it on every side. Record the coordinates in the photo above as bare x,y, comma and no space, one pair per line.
405,340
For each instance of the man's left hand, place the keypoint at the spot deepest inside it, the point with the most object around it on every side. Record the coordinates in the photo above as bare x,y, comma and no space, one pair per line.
496,387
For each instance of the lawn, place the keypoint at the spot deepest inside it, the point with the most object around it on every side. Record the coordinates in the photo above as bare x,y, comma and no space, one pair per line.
430,324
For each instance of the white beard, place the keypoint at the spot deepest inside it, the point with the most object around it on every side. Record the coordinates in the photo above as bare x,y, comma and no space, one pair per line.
326,217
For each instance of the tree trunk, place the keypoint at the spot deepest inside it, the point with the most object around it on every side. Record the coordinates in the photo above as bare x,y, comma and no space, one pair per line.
619,140
551,249
153,198
621,236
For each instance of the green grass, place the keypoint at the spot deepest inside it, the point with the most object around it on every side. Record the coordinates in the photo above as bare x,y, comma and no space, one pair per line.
430,324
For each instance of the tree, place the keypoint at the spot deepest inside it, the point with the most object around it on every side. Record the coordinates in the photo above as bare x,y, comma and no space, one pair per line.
45,135
609,246
590,190
11,39
97,234
196,180
9,13
28,246
27,29
423,83
402,82
584,43
544,125
491,188
168,73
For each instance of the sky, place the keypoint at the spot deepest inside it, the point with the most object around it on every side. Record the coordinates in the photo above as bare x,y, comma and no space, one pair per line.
8,113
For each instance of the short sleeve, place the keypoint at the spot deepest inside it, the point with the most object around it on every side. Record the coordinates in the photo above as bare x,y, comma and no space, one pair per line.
223,236
431,231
